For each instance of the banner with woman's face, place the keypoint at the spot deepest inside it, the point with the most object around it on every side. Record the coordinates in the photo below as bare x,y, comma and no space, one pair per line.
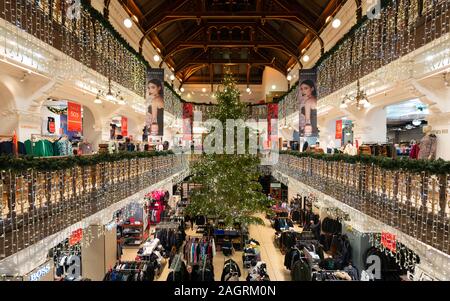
155,102
307,100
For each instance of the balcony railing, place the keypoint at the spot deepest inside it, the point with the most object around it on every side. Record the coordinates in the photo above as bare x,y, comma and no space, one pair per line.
86,37
37,203
414,202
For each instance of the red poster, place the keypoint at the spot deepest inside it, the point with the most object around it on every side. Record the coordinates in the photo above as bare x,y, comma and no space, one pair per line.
75,237
188,119
338,129
272,114
51,125
74,123
124,126
389,241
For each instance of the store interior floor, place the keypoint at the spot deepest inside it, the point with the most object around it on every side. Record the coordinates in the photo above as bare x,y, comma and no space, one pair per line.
270,254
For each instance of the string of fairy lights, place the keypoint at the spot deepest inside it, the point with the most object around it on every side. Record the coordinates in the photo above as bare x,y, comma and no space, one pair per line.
381,41
376,202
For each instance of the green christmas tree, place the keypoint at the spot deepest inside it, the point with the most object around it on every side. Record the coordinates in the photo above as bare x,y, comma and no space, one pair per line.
229,188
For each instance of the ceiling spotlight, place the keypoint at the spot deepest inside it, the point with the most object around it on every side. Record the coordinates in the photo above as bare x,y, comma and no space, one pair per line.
182,89
128,23
204,90
306,58
97,100
172,77
274,87
289,77
189,95
135,18
156,58
248,90
336,23
328,19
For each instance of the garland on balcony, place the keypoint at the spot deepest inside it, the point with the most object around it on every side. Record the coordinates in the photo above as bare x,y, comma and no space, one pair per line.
102,20
438,167
53,164
348,35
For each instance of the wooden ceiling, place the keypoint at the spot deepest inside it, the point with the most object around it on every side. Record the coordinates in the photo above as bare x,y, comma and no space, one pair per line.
200,39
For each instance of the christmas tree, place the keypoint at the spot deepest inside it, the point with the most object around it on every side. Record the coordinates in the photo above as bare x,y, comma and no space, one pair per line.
229,189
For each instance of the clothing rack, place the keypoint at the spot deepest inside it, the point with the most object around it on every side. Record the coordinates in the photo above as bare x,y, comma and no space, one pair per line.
14,146
167,225
40,137
176,264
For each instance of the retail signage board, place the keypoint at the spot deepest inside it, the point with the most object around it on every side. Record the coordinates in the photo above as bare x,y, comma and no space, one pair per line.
74,122
338,129
76,237
124,126
42,273
389,241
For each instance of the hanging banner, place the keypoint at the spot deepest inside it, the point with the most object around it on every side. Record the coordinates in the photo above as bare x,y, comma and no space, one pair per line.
74,122
307,100
389,241
188,120
155,102
272,115
338,129
124,123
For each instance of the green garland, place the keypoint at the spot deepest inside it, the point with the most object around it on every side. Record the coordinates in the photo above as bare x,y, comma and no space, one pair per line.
438,167
53,164
57,111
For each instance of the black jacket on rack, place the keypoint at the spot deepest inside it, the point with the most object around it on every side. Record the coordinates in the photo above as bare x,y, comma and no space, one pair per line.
332,226
180,275
231,271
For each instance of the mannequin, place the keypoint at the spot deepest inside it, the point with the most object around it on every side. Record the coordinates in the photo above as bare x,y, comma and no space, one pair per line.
428,144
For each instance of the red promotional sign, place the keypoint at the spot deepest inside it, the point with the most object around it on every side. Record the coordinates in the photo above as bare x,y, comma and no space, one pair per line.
338,129
389,241
272,114
124,126
51,126
75,237
74,123
188,119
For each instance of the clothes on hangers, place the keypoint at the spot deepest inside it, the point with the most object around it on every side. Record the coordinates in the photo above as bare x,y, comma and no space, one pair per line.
197,250
231,271
132,271
62,147
414,153
258,272
6,147
41,148
331,226
171,237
